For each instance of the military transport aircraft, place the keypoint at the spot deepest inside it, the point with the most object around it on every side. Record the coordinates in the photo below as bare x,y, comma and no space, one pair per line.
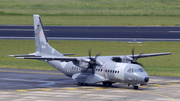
90,69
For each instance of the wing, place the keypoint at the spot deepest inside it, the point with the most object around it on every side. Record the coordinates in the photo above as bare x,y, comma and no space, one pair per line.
115,58
51,58
35,55
151,55
129,57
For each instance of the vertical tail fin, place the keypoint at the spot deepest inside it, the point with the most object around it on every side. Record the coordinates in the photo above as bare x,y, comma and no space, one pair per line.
41,42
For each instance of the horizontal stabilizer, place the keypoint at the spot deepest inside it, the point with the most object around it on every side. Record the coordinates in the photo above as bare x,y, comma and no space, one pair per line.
24,55
88,78
68,54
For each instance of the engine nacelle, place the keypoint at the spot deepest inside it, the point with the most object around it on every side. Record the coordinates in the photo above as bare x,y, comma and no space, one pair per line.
83,63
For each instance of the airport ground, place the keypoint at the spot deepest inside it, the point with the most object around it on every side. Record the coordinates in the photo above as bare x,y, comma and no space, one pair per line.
28,85
38,85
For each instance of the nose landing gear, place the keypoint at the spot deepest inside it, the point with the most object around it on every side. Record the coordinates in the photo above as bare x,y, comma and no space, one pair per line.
135,87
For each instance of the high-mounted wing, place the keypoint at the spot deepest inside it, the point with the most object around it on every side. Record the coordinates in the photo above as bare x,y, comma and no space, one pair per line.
51,58
34,55
151,55
131,57
115,58
26,55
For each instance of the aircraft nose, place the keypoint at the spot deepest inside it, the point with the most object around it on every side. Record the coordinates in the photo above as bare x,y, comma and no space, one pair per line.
146,79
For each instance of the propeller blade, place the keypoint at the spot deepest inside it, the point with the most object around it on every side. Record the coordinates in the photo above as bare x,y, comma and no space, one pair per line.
140,64
133,53
97,55
90,53
134,60
92,62
93,69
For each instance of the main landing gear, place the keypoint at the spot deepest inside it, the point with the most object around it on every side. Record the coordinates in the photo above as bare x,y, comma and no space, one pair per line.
107,83
82,84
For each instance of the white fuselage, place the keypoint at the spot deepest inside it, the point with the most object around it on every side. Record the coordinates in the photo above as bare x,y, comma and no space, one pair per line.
112,71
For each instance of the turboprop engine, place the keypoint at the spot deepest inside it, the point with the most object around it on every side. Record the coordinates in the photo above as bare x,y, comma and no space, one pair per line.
90,62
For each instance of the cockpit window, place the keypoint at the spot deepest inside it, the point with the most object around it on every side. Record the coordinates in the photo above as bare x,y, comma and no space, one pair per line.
131,70
139,70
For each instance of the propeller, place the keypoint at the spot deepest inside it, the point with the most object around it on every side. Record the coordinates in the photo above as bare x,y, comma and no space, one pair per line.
134,59
93,61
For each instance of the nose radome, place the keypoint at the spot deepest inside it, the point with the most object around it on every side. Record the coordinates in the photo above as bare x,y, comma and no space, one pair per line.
146,79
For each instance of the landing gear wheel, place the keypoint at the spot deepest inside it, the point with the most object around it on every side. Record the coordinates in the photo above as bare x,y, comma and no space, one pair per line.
85,84
107,83
135,87
82,84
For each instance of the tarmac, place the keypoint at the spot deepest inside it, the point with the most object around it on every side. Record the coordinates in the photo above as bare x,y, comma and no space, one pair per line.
35,85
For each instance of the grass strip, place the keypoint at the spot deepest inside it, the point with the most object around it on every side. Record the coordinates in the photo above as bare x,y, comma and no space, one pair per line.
91,7
93,20
161,66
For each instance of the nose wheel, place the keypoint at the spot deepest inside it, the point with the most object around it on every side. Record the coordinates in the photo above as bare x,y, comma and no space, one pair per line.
135,87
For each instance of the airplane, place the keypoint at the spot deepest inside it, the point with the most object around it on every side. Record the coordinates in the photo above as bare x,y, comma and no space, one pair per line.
90,69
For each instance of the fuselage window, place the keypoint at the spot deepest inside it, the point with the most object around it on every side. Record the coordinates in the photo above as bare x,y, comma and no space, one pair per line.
118,71
101,70
108,71
115,71
105,70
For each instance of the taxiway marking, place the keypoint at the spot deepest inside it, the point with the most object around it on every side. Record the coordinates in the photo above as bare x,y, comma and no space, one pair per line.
89,95
158,95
